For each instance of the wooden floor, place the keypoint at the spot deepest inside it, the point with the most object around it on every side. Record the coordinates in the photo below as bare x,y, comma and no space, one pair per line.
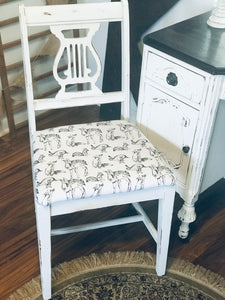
18,243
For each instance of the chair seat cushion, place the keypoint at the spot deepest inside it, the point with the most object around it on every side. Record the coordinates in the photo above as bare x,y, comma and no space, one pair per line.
87,160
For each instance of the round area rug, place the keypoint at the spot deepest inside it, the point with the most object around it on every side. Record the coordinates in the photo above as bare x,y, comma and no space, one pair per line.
126,275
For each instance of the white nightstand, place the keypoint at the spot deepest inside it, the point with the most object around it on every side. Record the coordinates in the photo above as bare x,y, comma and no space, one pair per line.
182,107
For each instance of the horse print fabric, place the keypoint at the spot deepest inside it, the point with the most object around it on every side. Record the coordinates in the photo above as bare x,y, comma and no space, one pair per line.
87,160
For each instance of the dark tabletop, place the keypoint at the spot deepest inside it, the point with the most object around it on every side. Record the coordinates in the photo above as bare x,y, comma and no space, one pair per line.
194,42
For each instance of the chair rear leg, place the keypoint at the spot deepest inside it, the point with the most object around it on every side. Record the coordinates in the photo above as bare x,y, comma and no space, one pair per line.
165,212
43,221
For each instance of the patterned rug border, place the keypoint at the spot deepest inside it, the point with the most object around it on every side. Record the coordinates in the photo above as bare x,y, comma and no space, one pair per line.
94,262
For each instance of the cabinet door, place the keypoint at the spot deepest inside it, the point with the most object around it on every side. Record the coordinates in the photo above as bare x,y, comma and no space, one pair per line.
170,125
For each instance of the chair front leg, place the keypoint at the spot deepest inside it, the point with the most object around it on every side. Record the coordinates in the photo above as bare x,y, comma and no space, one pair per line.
43,221
165,212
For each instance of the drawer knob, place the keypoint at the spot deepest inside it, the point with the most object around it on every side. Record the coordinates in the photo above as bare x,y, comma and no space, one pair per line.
172,79
186,149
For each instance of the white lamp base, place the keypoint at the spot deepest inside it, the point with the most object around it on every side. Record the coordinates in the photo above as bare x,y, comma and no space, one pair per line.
217,18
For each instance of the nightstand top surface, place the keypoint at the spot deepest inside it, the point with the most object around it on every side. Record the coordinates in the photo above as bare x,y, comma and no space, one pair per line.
194,42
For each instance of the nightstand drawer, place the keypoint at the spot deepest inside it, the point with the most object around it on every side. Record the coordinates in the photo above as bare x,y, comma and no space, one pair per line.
175,78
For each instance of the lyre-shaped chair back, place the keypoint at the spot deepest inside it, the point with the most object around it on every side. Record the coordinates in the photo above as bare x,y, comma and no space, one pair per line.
83,64
77,51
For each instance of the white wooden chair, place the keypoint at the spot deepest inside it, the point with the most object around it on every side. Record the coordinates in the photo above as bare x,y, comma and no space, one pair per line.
94,165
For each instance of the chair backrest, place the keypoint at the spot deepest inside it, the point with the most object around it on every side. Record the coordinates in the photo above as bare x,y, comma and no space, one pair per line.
78,51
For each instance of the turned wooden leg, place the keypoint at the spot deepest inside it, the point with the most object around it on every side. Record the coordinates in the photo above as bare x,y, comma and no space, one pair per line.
187,215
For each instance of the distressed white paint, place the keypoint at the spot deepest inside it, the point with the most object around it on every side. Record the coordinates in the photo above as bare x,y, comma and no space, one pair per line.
188,112
89,14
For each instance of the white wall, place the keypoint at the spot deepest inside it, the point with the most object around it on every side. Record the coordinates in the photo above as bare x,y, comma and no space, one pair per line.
184,9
